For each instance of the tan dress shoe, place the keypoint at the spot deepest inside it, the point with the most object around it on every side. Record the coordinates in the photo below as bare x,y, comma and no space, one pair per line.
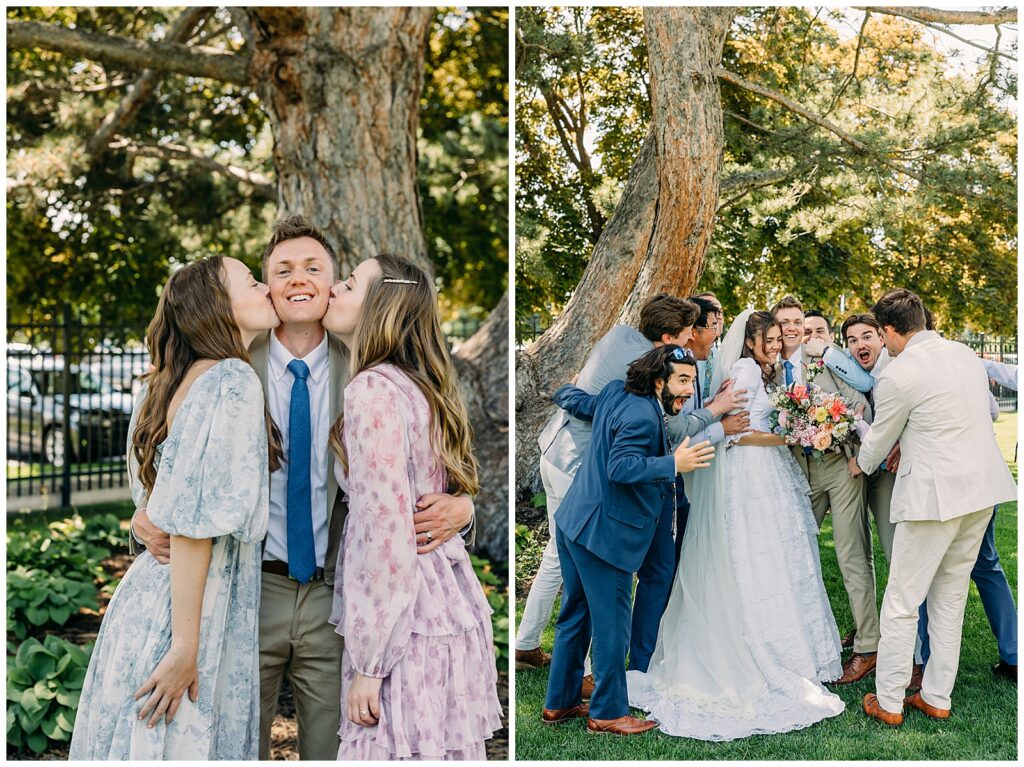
857,667
559,715
916,701
535,658
587,688
872,709
624,725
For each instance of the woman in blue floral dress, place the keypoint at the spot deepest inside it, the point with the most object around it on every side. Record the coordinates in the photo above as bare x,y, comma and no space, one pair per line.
175,670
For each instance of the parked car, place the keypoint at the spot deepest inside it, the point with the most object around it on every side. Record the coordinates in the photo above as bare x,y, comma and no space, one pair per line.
98,416
118,367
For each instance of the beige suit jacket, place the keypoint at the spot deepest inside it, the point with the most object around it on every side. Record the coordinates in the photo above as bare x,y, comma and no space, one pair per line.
932,398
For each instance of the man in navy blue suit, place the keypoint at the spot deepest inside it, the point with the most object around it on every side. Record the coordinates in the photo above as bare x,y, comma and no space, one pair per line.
618,502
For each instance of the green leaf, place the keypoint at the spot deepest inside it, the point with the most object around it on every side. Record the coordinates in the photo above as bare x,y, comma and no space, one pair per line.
17,675
44,690
37,615
41,665
64,662
66,720
69,698
37,741
60,615
30,722
50,728
30,702
27,648
75,679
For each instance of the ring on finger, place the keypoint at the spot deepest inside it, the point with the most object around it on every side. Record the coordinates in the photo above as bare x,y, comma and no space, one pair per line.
430,535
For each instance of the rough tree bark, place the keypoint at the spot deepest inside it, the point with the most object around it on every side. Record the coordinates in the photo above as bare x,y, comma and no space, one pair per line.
659,233
341,87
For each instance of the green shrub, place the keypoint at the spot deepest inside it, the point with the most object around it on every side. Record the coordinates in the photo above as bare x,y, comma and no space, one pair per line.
44,682
497,597
529,549
72,546
37,598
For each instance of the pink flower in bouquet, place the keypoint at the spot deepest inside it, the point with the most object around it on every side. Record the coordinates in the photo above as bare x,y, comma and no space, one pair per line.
799,391
823,441
837,409
783,419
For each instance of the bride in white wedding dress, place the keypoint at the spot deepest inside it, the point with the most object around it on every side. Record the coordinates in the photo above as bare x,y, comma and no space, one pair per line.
748,635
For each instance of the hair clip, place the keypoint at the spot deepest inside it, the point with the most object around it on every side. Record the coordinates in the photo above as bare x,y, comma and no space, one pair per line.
403,282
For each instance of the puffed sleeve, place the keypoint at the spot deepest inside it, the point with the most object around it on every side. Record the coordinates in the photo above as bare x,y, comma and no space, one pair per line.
380,573
214,480
746,375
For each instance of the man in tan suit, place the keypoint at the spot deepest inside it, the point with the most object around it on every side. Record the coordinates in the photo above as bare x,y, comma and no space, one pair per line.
300,267
931,398
834,487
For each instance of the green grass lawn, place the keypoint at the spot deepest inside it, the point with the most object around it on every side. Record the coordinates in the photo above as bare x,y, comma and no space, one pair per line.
983,725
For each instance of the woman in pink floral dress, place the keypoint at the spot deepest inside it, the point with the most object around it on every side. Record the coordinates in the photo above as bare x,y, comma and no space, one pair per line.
418,669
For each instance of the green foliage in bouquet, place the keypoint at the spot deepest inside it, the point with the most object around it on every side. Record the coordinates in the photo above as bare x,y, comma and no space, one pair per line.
44,682
37,598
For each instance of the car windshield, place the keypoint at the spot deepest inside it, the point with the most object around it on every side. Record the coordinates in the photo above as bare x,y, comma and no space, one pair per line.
51,382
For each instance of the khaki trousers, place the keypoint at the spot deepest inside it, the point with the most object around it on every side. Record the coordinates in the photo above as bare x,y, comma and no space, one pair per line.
296,637
930,560
833,488
880,486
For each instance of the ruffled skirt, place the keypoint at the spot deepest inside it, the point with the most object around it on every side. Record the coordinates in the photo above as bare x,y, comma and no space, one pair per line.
440,702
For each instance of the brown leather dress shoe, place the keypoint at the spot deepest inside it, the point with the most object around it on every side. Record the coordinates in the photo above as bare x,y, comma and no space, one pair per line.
624,725
559,715
587,688
916,701
535,658
1006,670
872,709
856,668
915,678
847,641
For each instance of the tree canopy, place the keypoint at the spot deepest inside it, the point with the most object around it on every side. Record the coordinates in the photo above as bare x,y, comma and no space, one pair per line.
852,162
116,173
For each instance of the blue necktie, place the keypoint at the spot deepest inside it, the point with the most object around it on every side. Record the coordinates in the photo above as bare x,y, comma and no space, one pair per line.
788,367
301,552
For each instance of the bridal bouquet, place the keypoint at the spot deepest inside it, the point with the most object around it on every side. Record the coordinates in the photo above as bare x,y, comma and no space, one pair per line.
820,421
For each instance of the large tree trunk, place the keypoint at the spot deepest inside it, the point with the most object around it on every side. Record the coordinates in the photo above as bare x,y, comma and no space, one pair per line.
659,233
342,89
483,376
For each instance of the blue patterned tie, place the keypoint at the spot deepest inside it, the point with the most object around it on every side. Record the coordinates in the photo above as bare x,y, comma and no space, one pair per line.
301,552
788,367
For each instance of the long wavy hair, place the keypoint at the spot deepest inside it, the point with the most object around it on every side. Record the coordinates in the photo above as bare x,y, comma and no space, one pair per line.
399,325
193,321
757,326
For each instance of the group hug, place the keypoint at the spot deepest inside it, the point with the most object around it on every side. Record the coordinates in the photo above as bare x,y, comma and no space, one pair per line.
302,470
703,467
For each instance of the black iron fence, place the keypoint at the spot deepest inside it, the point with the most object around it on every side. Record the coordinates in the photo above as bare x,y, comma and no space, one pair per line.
56,450
69,401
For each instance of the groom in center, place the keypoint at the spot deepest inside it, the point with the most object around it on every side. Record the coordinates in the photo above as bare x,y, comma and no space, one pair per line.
611,513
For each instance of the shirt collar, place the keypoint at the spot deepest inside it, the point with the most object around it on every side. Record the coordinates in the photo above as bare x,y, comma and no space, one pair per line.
316,360
921,336
797,357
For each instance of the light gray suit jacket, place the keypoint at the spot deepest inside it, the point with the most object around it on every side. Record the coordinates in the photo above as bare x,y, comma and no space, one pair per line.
564,439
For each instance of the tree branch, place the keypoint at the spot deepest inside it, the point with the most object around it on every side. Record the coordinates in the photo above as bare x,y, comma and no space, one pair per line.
941,16
846,138
262,185
165,57
746,183
143,87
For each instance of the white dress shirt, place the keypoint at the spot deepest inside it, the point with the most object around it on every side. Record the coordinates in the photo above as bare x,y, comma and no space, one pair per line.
279,390
798,368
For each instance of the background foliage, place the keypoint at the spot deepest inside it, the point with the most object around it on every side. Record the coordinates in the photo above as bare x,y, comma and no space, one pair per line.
103,232
840,222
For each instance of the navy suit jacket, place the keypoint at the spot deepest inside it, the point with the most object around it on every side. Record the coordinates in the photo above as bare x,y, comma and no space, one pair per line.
627,478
